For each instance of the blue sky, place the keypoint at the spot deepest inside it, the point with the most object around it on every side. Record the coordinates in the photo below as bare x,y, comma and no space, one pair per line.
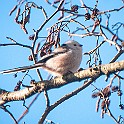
80,108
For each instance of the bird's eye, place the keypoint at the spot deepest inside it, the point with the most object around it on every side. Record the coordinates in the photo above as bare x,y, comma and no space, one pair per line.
63,45
75,44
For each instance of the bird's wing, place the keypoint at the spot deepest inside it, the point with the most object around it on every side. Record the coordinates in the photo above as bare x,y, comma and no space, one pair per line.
58,51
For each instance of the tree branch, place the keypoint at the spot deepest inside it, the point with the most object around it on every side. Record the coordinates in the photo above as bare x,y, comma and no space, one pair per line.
64,98
58,82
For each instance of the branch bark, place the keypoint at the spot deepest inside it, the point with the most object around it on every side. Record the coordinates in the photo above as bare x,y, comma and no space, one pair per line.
40,86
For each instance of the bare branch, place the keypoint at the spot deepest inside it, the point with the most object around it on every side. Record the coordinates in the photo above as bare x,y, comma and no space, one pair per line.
64,98
61,81
27,110
113,10
11,115
15,43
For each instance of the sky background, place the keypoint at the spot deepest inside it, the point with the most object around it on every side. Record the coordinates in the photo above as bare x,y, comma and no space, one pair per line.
78,109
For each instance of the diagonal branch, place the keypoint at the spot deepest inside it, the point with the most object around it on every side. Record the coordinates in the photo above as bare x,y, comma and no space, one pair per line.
58,82
64,98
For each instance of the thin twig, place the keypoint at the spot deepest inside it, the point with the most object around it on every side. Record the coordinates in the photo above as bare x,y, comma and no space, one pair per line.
27,110
118,9
109,41
47,98
111,32
15,43
90,52
117,56
11,115
111,115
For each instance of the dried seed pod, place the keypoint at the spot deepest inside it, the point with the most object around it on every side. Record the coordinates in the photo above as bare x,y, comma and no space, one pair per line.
119,93
49,51
115,88
26,16
32,82
74,8
42,53
95,94
121,106
13,9
95,12
87,16
30,58
31,37
26,19
106,92
18,86
103,104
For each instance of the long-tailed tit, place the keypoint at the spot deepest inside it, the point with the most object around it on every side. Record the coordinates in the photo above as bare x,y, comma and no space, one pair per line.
64,59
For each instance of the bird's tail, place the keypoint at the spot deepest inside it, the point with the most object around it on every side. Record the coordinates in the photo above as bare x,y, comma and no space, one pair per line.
24,68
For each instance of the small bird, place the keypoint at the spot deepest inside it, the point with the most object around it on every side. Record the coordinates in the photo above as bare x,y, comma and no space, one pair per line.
64,59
